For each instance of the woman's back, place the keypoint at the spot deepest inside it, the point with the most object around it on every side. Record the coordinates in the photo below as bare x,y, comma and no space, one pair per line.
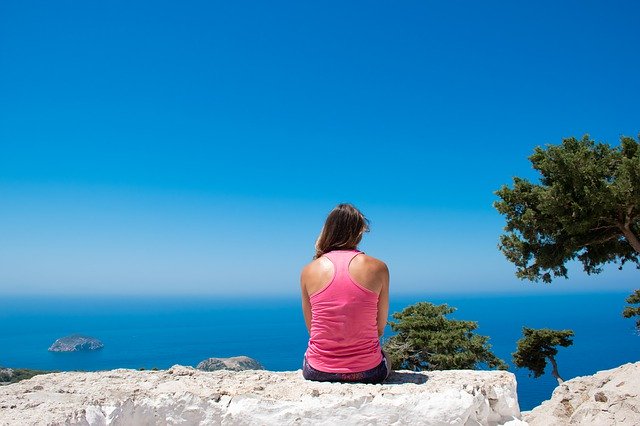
345,302
343,289
365,270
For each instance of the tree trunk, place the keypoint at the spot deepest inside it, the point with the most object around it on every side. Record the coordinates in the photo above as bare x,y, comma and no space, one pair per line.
554,372
631,238
626,229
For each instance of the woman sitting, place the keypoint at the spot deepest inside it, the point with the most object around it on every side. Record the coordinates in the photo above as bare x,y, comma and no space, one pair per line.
345,301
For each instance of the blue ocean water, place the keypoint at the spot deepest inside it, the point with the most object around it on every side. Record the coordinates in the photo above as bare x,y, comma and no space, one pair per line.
147,332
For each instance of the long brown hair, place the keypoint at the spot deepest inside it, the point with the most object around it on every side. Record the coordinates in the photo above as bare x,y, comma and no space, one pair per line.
342,230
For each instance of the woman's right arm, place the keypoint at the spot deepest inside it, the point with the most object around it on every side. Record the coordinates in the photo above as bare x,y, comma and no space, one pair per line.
306,305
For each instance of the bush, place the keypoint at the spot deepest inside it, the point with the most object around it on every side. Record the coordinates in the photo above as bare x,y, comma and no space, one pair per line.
427,340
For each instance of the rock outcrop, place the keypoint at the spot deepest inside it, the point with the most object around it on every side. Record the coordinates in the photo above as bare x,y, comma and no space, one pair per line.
610,397
74,343
184,395
6,374
234,363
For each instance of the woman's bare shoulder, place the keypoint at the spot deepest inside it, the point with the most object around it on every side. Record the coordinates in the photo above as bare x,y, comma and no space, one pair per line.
316,267
371,263
369,272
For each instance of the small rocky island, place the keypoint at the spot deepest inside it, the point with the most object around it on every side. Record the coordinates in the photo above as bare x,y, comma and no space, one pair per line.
76,343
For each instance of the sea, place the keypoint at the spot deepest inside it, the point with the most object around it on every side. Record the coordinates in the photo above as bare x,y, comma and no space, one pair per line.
157,332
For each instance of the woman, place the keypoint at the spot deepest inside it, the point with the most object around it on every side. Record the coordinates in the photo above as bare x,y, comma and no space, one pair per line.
345,301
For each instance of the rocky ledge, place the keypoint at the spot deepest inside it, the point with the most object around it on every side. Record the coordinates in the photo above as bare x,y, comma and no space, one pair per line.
184,395
75,343
610,397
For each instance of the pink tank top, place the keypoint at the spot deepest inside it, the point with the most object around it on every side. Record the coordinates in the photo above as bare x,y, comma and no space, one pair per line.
344,328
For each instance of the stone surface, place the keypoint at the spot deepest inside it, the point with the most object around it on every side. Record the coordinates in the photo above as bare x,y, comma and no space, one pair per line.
610,397
234,363
76,342
184,395
6,374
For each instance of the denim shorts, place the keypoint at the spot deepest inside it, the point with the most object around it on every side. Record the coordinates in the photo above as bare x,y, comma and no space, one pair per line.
375,375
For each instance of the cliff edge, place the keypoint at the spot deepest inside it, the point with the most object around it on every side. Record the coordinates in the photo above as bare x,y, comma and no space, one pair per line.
184,395
609,397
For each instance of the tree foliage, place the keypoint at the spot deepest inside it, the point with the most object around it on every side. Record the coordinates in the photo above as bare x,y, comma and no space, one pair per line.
633,311
586,207
427,340
539,345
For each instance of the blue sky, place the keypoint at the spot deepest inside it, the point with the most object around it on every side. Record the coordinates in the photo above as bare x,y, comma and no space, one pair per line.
196,147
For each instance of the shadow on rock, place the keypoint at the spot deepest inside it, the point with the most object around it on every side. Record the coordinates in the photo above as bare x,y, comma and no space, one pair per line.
400,377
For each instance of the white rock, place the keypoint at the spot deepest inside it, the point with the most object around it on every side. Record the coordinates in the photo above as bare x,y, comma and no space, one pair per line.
183,395
234,363
610,397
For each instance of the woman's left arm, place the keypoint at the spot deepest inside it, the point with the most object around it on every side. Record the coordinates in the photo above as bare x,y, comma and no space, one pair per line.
383,301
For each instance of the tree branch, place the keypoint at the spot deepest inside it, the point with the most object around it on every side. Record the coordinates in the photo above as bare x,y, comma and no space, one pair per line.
632,239
628,217
625,227
601,240
600,228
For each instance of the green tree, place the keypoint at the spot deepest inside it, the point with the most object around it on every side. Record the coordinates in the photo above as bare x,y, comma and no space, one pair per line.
586,207
427,340
633,311
539,345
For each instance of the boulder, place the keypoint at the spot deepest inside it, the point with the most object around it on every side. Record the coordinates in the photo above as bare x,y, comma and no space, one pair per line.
6,374
184,395
75,343
610,397
234,363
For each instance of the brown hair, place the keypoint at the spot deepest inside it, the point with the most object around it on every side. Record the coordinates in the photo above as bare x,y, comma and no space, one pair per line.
342,230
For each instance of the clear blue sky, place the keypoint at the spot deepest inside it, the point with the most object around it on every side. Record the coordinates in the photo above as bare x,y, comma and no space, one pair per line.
196,147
